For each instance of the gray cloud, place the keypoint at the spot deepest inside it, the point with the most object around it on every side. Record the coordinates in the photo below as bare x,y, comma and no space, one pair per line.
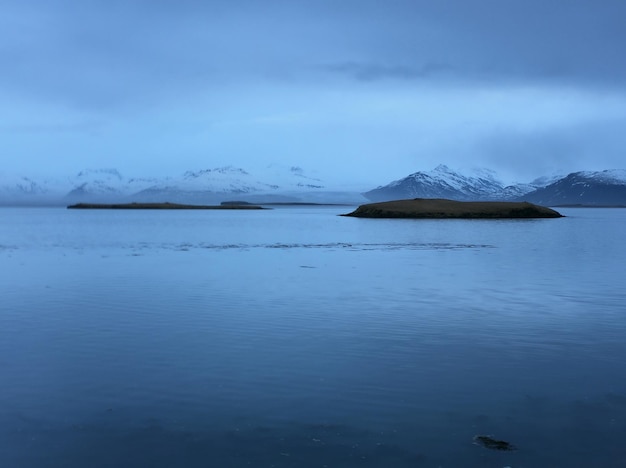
374,72
571,42
386,85
524,154
109,53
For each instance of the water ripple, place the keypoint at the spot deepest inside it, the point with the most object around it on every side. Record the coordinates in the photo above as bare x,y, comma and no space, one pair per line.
327,246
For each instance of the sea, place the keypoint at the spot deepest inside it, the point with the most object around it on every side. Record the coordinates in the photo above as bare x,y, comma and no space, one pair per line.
295,337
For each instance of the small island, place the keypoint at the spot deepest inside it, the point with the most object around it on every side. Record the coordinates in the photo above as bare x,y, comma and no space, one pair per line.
160,206
438,208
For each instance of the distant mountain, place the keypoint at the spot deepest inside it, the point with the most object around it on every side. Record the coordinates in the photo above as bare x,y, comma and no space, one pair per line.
95,183
19,185
590,188
201,186
443,182
583,188
276,183
272,184
22,190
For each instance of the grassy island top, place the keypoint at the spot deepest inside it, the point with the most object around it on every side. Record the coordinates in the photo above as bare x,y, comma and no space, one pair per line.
438,208
161,206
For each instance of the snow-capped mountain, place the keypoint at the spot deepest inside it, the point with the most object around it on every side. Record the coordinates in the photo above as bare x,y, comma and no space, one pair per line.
443,182
583,188
105,182
226,179
17,189
212,185
291,178
606,187
609,176
292,184
272,183
19,185
546,180
202,186
102,184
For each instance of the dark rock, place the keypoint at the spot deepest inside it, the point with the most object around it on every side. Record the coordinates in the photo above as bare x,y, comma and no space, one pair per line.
493,444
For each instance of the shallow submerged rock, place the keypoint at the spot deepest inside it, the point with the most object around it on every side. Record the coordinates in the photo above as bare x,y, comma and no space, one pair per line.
493,444
439,208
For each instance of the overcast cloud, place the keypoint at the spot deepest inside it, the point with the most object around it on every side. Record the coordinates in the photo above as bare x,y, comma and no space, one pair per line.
364,91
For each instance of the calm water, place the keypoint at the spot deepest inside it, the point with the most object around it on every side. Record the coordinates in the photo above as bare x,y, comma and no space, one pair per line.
297,338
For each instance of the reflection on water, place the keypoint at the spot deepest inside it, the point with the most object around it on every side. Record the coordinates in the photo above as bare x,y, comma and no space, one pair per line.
330,245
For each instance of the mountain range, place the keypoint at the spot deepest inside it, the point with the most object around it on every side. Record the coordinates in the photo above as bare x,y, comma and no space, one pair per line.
602,188
272,184
443,182
293,184
599,188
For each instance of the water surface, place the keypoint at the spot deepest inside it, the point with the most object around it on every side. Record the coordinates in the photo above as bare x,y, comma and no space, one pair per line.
297,338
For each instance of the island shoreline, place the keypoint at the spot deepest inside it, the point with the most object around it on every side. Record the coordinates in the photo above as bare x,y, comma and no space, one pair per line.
440,208
160,206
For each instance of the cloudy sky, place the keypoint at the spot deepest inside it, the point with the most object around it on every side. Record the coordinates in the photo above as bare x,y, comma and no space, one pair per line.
354,90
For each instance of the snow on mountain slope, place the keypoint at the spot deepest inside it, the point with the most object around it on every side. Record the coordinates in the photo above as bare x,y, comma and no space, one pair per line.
19,185
227,179
609,176
96,182
292,183
590,188
22,190
290,178
441,182
104,185
546,180
220,183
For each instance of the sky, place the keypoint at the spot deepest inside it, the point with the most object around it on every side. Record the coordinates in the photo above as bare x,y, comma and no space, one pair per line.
355,91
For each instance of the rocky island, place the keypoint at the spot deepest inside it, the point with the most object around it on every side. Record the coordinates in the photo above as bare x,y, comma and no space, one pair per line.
161,206
439,208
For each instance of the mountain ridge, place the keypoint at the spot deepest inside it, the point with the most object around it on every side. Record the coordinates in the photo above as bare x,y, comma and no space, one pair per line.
590,188
293,184
273,183
587,188
443,182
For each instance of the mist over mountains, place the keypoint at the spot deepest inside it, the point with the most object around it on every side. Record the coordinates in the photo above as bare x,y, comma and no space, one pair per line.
293,184
214,185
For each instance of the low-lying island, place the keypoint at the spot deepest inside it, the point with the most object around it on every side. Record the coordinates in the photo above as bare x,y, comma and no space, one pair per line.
439,208
161,206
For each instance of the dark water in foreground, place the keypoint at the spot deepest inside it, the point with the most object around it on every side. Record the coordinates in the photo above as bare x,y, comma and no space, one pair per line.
296,338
